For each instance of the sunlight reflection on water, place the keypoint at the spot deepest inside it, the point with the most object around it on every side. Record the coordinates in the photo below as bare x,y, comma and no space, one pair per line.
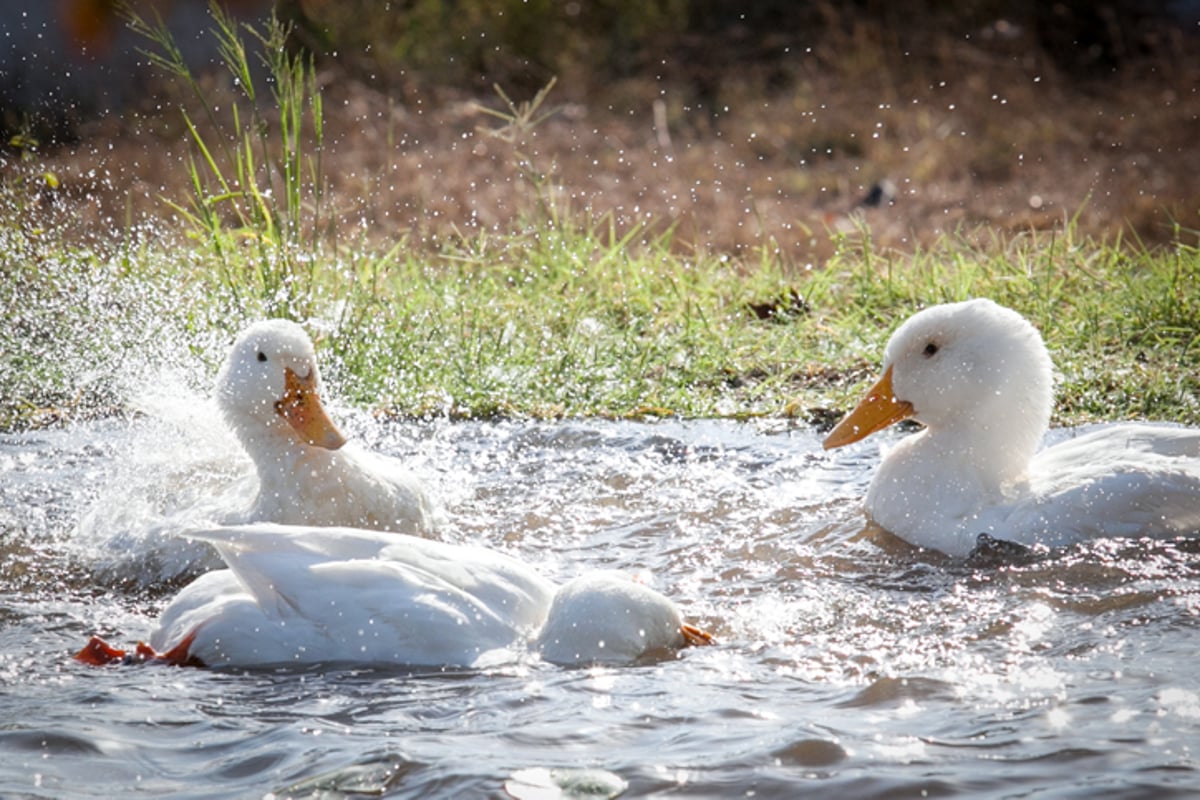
848,664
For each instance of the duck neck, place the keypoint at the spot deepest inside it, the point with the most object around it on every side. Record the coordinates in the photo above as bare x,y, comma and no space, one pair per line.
997,449
279,459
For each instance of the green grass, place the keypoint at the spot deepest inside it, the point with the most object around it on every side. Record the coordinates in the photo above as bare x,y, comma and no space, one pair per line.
573,320
564,315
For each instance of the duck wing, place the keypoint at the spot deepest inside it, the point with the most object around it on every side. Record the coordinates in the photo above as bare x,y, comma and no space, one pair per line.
1127,480
348,594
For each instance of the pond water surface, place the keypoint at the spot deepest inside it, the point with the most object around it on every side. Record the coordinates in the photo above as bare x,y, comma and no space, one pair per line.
848,665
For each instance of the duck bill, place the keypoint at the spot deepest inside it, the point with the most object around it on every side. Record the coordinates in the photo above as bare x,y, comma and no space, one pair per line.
697,637
877,410
302,409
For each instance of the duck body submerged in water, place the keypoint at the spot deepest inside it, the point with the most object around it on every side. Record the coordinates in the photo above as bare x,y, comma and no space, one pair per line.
978,376
295,595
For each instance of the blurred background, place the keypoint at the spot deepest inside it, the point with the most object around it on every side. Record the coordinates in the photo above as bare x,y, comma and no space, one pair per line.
781,124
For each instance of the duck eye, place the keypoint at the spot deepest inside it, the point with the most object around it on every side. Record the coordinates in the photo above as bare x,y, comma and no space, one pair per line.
930,350
262,356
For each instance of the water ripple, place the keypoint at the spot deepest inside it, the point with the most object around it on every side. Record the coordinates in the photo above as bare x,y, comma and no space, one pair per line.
848,663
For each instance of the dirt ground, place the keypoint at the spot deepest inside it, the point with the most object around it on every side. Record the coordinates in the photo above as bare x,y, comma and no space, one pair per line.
974,137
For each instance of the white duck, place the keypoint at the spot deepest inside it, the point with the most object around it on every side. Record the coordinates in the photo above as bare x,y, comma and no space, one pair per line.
978,376
297,595
267,392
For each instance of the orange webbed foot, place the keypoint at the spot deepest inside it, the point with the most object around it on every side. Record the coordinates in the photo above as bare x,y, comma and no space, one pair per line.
179,655
98,652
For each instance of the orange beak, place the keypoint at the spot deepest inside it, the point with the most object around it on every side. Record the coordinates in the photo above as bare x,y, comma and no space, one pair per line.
302,409
877,410
697,637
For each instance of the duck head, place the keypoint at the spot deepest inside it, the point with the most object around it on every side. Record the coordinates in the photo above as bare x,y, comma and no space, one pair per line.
268,387
973,372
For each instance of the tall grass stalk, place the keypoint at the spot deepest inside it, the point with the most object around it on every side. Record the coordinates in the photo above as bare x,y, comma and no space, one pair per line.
248,186
519,120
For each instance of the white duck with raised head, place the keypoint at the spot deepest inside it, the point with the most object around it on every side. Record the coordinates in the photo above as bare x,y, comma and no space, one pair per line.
267,391
978,377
